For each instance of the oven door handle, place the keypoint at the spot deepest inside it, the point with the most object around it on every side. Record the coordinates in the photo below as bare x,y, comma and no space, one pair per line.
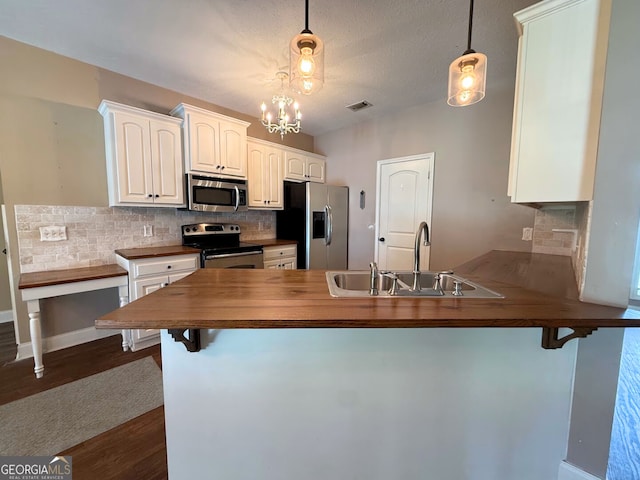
229,255
237,198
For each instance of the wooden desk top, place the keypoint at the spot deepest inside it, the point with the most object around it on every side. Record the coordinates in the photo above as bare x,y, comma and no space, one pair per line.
70,275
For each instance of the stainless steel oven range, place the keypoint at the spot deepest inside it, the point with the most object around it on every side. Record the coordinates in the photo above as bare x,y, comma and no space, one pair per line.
221,247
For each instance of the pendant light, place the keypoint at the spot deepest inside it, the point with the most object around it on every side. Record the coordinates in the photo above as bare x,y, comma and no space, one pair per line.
467,74
306,60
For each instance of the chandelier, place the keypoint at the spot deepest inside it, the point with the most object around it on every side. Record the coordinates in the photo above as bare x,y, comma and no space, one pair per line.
467,74
283,122
306,59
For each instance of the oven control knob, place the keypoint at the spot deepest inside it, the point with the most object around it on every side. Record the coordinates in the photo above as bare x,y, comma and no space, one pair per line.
187,229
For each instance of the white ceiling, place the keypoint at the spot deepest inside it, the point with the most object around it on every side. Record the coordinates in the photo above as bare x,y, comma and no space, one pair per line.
393,53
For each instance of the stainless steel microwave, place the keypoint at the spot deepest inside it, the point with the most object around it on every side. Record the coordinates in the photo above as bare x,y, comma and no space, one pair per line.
210,194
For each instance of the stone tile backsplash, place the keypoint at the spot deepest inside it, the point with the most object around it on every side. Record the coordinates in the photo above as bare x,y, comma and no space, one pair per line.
545,240
93,233
576,217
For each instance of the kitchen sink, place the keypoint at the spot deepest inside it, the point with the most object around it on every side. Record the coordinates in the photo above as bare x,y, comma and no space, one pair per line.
357,283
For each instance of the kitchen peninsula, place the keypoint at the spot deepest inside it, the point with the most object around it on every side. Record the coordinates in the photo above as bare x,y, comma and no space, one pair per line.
292,383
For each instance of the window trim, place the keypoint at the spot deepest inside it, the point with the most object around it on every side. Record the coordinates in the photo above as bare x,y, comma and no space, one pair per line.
634,291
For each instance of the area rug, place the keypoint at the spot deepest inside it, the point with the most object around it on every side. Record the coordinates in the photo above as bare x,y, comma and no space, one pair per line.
52,421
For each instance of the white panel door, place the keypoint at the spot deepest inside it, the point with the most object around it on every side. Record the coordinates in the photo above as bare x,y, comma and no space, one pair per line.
166,156
404,192
233,150
135,180
204,144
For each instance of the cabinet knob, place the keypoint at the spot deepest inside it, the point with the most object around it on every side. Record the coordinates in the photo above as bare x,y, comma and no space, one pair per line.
381,239
150,196
168,266
222,167
157,195
166,285
217,166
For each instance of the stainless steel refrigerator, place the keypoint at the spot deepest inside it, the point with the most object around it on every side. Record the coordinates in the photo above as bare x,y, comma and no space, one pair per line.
316,215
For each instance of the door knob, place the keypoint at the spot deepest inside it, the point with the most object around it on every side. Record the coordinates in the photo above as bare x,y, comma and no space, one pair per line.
381,239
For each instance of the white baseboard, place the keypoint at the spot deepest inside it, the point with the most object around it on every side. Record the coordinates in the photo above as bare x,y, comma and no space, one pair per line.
569,472
64,340
6,316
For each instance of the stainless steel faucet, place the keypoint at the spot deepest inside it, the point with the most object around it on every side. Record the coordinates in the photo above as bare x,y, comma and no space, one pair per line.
423,228
373,285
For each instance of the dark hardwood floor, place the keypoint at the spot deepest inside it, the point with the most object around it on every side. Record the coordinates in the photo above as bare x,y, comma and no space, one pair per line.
133,450
8,347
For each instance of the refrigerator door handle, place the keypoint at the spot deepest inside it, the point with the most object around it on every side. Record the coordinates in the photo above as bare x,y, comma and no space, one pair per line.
329,224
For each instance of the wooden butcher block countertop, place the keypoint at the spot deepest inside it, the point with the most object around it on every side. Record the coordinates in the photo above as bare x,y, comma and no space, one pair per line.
230,298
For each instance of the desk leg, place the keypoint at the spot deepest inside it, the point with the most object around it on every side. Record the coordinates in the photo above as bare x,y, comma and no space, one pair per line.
123,292
33,307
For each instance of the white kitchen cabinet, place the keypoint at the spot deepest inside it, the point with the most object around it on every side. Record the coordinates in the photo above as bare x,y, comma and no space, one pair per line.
559,85
144,157
214,144
302,166
280,257
265,168
146,275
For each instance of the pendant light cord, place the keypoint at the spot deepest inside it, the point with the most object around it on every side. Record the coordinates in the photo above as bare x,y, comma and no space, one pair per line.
306,14
469,50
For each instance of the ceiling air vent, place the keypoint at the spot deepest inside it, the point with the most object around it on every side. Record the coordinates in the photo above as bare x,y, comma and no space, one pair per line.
354,107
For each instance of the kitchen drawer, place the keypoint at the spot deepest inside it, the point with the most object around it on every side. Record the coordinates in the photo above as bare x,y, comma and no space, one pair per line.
273,253
154,267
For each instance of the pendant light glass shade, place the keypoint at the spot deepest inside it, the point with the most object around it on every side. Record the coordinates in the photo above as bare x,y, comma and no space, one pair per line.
467,79
306,60
467,74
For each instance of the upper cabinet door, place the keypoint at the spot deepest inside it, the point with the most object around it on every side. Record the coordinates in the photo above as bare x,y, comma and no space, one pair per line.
134,178
166,155
257,172
315,170
233,149
559,85
275,185
295,166
204,143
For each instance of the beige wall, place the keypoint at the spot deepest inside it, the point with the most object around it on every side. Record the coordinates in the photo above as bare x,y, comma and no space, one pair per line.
51,135
471,211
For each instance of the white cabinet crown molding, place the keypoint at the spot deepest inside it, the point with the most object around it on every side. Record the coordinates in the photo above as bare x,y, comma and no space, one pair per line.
107,106
182,109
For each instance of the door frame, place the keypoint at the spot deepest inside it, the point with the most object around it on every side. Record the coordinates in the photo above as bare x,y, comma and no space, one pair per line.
430,158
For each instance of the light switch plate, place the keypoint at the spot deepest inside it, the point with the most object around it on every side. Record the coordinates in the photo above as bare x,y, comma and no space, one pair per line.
53,233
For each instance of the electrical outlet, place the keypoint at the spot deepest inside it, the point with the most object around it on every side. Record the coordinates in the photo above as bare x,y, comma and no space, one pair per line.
53,233
147,231
527,234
